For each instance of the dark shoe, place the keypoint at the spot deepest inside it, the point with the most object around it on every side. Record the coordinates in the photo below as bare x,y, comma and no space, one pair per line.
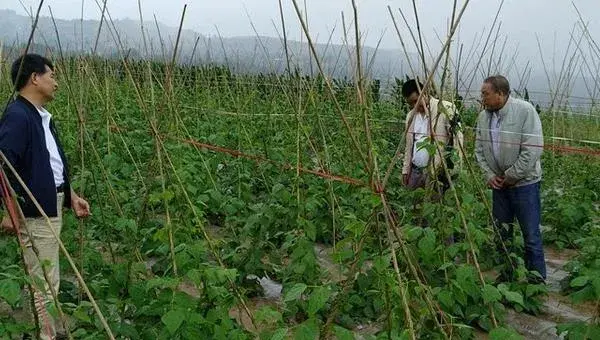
535,279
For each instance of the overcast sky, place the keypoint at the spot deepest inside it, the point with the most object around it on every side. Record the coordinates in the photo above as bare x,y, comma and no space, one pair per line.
521,20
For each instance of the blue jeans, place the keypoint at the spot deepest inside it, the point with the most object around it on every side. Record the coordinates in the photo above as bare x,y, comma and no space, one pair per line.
524,204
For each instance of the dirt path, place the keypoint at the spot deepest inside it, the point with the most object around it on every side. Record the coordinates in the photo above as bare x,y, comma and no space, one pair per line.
557,308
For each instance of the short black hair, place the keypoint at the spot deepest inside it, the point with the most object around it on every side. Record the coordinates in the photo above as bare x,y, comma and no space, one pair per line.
32,63
499,84
411,86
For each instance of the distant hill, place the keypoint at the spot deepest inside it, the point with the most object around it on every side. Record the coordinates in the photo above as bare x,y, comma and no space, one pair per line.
243,54
246,54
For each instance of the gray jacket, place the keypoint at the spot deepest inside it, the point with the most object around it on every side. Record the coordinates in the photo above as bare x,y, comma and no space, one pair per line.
521,144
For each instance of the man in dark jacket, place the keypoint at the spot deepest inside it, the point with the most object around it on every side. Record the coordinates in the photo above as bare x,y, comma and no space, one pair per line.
29,141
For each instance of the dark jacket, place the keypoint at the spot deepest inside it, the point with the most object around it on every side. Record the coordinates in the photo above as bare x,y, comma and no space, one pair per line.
23,142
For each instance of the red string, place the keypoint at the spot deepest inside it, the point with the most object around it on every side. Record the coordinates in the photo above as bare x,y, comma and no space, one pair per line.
260,159
552,147
347,179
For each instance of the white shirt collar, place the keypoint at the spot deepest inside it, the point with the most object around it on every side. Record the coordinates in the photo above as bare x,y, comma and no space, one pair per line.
44,113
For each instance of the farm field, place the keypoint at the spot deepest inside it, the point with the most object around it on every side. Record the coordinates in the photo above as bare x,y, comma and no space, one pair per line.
270,205
236,206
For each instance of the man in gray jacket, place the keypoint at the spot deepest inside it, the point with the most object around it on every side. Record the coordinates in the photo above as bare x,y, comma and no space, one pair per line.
508,149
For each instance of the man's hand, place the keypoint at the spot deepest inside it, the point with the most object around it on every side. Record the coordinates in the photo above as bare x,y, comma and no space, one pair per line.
81,207
7,225
405,179
497,182
509,182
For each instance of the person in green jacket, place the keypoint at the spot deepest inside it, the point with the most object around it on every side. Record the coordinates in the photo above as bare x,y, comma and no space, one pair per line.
508,149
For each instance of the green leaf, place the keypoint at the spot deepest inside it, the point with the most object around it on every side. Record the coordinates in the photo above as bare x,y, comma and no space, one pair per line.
375,201
445,298
308,330
413,233
466,278
503,288
124,224
311,230
356,227
533,290
295,292
79,333
268,315
596,285
502,333
196,276
514,297
490,294
585,294
427,244
580,281
279,334
10,291
277,188
173,320
465,275
342,333
579,330
318,299
161,283
82,315
220,276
